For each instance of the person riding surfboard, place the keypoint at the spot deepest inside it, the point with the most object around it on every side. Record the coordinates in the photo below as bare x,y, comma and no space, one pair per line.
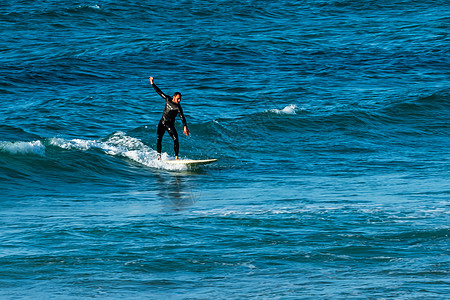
167,122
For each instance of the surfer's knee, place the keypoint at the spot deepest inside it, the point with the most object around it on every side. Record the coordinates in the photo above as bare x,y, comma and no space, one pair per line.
173,134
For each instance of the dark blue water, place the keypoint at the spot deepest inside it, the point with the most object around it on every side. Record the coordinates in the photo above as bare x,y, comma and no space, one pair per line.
330,120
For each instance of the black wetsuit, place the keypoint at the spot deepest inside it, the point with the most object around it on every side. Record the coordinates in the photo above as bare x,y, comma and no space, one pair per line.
167,121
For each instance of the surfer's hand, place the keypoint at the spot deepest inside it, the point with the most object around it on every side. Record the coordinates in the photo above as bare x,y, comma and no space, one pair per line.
151,80
186,131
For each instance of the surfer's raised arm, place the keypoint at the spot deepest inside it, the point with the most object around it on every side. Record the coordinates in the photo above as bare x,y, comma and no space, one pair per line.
164,96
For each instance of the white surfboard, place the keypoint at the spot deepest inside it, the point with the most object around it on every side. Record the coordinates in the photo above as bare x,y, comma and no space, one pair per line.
190,162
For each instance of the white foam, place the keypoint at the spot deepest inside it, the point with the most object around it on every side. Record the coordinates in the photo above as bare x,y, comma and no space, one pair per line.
95,6
119,144
290,109
35,147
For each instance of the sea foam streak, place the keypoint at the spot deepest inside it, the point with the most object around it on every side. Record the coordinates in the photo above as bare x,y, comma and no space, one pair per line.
35,147
119,144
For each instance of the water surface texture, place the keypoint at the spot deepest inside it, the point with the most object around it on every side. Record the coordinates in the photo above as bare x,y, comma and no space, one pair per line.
330,120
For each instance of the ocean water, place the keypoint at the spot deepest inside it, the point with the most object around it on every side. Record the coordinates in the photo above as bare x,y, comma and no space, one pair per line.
329,119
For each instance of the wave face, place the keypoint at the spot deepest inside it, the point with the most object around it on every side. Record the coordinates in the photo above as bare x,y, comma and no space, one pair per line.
329,120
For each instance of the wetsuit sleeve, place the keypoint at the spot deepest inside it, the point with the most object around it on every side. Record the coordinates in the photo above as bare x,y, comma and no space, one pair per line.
183,119
164,96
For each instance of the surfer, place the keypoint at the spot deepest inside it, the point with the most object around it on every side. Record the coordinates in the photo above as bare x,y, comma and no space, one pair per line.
167,122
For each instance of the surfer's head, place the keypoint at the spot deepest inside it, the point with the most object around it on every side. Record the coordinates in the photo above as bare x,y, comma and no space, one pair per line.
176,98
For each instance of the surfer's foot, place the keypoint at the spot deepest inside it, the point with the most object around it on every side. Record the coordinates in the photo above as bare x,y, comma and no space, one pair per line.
159,156
176,157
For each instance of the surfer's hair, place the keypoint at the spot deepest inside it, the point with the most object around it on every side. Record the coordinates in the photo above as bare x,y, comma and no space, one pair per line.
177,93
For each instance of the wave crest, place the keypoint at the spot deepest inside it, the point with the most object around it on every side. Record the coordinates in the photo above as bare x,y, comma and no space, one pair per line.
120,144
290,109
34,148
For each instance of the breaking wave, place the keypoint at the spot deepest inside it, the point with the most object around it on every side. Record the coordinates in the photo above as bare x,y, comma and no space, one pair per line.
23,148
290,109
119,144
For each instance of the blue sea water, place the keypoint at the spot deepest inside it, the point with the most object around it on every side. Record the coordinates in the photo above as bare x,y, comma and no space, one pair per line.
330,120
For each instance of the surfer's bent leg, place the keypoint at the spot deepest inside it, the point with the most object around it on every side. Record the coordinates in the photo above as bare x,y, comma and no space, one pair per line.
174,135
159,136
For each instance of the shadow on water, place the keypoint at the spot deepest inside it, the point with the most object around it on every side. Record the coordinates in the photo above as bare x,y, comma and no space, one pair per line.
178,189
